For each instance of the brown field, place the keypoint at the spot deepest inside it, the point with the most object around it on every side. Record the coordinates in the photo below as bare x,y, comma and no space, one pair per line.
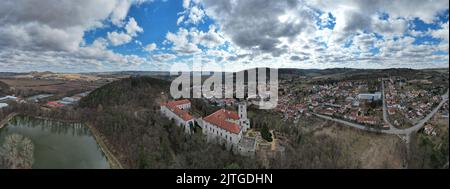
17,83
51,86
374,151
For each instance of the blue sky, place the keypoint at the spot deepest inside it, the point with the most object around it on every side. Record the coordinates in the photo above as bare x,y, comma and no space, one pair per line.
158,34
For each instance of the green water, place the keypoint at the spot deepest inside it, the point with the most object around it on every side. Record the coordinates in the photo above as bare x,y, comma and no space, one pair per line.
58,145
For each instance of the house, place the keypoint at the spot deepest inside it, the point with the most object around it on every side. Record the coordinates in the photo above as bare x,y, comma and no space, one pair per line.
54,104
355,103
6,98
3,105
366,120
429,130
176,110
328,111
39,97
227,126
68,100
349,99
391,111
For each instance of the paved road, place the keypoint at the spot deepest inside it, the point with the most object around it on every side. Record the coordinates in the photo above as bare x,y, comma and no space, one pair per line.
391,130
385,113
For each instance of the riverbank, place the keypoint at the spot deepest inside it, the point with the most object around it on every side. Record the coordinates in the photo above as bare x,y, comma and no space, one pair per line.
53,119
7,119
101,141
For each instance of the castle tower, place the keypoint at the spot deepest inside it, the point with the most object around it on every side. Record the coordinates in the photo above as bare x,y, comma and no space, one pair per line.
244,122
242,110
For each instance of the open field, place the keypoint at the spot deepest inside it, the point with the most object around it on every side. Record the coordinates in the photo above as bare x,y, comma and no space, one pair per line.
372,150
29,82
51,86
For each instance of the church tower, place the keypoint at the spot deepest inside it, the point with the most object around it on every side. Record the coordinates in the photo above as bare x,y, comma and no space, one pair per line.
242,110
244,122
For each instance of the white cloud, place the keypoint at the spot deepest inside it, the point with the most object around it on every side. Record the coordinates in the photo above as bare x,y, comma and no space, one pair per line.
181,42
186,3
163,57
48,35
210,39
120,38
133,28
151,47
390,27
180,20
196,15
246,33
55,24
441,33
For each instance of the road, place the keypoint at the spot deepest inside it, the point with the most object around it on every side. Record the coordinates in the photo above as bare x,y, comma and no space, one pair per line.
392,129
385,113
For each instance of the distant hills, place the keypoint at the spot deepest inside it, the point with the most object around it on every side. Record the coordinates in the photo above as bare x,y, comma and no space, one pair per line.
287,71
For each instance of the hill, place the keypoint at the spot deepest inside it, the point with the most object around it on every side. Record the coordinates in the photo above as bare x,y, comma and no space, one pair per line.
126,113
133,91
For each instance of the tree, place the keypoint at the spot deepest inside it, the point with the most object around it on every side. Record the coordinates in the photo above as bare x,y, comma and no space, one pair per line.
265,133
232,166
16,152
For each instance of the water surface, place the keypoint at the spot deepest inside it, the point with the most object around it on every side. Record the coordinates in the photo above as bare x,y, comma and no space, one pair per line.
58,145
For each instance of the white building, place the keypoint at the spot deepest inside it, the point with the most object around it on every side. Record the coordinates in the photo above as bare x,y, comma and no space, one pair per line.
7,98
370,96
227,126
176,110
3,105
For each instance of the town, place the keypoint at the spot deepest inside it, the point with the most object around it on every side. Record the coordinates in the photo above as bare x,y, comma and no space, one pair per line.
361,101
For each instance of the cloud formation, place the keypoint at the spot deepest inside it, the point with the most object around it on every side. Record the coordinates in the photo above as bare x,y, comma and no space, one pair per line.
102,35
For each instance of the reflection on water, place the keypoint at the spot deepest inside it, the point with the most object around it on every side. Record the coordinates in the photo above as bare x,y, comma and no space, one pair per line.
58,145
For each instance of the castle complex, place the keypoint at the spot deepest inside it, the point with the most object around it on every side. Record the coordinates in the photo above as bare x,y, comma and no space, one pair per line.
223,126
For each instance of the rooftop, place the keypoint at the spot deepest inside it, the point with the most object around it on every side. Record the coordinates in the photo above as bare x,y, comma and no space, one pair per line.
219,118
176,103
173,106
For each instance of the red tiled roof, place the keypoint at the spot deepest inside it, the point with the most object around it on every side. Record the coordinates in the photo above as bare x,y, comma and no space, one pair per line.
178,102
219,117
365,119
53,103
181,113
392,110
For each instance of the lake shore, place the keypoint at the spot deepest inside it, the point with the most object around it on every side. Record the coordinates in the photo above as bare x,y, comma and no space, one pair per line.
101,141
7,119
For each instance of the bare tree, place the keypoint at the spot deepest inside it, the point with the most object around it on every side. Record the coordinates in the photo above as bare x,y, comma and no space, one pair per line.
16,152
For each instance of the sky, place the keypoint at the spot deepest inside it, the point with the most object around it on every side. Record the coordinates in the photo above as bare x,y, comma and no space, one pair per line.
155,35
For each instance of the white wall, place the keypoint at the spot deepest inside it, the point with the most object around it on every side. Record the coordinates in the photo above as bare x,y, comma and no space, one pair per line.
211,131
178,121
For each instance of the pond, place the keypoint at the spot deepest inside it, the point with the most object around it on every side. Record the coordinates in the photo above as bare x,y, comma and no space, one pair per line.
57,145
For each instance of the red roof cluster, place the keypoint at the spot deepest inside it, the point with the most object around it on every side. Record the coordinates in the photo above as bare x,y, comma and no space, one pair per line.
176,103
365,119
54,103
219,117
173,106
